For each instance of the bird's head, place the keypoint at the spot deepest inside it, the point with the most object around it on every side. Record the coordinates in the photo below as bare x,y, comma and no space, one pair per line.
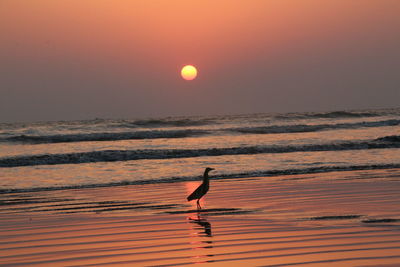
209,169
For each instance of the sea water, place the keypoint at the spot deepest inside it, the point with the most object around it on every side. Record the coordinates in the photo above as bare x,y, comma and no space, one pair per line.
109,152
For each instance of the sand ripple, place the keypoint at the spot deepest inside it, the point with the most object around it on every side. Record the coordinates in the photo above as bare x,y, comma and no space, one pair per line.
317,220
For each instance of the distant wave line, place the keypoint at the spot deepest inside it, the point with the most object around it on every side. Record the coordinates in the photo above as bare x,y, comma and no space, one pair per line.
184,122
334,114
300,128
169,122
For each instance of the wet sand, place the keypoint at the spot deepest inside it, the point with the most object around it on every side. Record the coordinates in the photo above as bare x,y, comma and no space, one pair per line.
329,219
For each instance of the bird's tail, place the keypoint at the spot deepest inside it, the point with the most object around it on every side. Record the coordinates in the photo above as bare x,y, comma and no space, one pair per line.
191,197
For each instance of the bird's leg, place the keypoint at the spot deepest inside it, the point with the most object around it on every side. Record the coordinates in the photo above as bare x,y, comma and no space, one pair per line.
198,204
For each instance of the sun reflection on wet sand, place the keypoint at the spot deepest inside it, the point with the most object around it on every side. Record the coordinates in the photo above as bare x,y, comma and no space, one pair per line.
190,187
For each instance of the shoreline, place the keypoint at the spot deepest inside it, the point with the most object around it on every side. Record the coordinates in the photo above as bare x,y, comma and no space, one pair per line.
265,174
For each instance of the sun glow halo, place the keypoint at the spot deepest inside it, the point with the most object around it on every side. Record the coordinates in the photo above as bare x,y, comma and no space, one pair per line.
189,72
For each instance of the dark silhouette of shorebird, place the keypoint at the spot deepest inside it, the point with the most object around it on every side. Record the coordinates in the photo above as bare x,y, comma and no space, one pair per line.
202,189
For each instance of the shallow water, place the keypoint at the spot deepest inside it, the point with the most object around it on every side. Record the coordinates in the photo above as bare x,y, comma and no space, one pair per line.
348,218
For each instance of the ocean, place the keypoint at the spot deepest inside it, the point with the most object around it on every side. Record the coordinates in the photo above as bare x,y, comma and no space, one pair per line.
45,156
310,189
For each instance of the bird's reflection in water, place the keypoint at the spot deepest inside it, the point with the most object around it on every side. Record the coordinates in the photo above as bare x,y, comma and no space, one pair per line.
203,223
205,232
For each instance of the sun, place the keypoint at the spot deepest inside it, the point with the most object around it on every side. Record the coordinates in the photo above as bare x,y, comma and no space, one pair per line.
189,72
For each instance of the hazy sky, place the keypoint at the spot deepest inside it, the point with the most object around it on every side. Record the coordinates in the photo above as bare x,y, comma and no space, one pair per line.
82,59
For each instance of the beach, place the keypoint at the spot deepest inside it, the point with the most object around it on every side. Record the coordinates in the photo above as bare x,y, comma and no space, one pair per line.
346,218
282,117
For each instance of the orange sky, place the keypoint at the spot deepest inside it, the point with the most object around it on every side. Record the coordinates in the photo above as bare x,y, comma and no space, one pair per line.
70,50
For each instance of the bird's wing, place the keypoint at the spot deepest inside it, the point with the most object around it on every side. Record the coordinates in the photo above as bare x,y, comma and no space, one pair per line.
196,193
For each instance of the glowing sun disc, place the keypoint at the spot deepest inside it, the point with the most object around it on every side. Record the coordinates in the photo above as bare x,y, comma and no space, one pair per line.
189,72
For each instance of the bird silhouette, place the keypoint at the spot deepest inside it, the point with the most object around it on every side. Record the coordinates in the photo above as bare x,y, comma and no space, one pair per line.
202,189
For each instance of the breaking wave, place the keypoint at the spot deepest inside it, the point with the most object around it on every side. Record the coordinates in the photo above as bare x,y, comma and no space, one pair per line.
301,128
169,122
65,138
126,155
390,138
